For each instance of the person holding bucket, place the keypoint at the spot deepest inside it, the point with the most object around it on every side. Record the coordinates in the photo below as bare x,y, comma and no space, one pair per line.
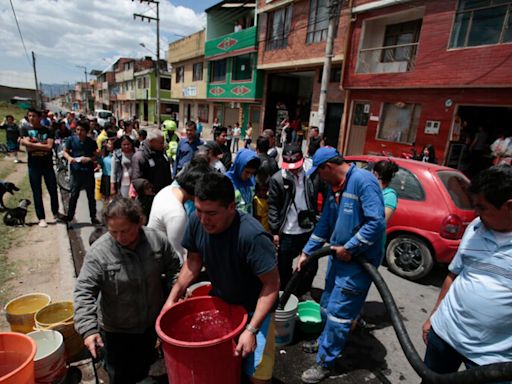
352,221
121,288
240,259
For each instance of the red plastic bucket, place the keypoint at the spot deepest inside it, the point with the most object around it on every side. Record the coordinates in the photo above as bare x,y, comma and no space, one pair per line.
17,353
198,338
200,289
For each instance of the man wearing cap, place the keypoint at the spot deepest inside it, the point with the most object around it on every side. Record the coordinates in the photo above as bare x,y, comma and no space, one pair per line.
291,212
352,222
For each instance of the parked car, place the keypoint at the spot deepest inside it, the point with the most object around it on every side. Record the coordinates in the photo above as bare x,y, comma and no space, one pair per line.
434,209
102,116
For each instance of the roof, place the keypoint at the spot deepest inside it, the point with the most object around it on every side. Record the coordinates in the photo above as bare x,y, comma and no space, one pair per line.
232,4
17,80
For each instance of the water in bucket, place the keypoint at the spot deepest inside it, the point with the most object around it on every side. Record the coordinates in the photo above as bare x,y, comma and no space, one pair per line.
201,326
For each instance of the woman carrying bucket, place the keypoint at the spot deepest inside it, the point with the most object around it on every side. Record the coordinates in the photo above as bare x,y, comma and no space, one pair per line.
132,267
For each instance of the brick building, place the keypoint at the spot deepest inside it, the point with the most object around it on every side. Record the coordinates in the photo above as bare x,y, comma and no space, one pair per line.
427,72
291,51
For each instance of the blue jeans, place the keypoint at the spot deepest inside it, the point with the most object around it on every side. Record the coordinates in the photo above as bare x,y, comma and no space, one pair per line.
35,174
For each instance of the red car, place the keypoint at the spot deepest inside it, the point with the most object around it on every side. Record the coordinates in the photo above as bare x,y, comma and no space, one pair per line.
433,212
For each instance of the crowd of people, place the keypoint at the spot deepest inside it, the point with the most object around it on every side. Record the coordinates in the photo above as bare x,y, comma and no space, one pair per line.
245,217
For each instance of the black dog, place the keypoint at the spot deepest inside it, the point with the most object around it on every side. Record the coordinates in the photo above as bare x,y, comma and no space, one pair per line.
6,186
16,216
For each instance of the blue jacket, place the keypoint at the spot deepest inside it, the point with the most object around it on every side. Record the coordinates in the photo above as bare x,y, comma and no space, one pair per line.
244,189
185,153
357,222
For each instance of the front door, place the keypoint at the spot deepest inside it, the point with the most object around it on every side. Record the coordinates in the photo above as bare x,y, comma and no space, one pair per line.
358,128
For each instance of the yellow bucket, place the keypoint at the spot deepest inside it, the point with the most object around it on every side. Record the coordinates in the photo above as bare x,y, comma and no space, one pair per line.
59,317
21,310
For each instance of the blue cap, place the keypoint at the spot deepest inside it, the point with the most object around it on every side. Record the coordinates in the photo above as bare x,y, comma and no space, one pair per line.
322,155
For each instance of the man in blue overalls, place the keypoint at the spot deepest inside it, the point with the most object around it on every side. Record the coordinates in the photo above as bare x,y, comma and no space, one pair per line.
352,222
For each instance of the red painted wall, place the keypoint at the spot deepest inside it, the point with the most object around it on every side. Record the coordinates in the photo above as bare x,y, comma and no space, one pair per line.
436,65
432,108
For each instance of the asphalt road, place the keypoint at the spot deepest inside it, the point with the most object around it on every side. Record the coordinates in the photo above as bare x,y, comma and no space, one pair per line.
371,355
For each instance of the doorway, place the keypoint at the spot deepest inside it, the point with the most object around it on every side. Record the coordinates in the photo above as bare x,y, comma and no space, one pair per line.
358,128
333,124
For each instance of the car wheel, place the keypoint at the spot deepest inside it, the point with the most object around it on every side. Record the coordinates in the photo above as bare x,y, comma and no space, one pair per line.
408,256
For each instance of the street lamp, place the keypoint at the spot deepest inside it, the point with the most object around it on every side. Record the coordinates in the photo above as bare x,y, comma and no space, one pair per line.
157,19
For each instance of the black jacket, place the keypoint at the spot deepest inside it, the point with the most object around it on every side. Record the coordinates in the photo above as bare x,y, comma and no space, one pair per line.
267,168
152,166
280,194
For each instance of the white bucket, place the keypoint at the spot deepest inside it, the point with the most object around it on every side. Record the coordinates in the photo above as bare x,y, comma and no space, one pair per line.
285,321
50,362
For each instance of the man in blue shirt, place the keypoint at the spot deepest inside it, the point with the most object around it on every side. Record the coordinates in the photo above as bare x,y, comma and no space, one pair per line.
187,147
352,222
470,322
80,152
240,259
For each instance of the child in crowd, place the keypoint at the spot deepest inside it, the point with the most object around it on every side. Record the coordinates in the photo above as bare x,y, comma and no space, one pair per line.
106,167
260,205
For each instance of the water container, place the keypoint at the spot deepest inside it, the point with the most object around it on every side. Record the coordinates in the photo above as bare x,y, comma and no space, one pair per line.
21,310
49,362
17,353
285,321
202,288
199,337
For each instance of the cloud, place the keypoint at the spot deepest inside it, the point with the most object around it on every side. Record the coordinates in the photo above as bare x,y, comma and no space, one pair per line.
84,32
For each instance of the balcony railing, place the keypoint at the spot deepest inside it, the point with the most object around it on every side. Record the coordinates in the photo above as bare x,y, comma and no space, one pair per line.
389,59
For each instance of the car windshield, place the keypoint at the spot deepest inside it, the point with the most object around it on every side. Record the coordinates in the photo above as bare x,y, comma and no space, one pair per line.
104,115
457,186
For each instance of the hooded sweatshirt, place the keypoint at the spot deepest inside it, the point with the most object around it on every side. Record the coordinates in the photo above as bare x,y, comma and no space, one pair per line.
244,190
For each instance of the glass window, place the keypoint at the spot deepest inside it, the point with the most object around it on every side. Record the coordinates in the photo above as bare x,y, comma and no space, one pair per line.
318,20
407,186
278,28
242,67
399,122
165,83
197,72
335,74
180,74
202,112
218,70
457,187
403,37
482,22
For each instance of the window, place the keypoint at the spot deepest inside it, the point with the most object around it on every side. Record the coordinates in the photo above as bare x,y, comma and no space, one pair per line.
407,186
319,20
335,75
218,70
457,187
180,74
278,28
202,112
165,83
403,38
242,67
146,82
139,83
481,22
127,66
197,72
399,122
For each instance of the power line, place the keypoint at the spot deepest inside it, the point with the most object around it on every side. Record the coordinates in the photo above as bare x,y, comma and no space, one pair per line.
19,30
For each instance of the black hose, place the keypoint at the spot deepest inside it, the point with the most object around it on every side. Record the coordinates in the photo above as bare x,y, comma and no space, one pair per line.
491,373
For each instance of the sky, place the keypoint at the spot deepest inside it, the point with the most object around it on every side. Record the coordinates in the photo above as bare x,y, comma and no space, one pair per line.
66,34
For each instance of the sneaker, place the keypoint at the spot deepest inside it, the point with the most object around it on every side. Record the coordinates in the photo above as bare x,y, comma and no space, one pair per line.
310,346
316,374
95,221
42,223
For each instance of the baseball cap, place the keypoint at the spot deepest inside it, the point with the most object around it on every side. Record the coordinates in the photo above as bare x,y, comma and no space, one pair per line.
322,155
211,146
292,156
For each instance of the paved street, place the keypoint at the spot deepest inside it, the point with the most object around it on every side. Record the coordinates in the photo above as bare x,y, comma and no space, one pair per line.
371,356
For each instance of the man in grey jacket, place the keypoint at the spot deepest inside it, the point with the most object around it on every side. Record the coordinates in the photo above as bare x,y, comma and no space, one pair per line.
123,284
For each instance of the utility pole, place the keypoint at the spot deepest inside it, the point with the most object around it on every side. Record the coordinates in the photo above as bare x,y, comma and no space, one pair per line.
86,109
157,69
326,74
38,95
